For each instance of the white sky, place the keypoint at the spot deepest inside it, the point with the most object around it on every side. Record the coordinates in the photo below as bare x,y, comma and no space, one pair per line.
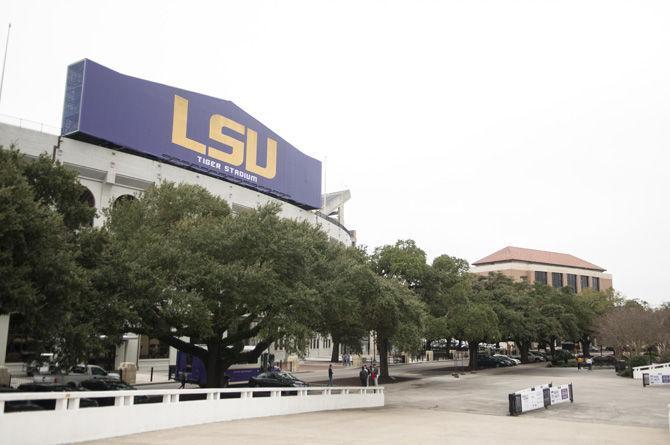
465,125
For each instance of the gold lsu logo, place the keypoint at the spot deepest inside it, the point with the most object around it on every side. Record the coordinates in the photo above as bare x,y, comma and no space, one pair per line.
217,123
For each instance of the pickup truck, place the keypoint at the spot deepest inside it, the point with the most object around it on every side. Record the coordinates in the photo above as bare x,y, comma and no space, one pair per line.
77,375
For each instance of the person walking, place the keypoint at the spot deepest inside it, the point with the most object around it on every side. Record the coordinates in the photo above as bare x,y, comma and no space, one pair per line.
182,379
367,375
363,376
373,375
579,362
330,375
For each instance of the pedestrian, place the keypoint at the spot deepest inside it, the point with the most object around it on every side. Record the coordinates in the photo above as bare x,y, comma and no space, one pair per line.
373,375
363,376
376,376
589,363
330,375
182,379
579,362
367,375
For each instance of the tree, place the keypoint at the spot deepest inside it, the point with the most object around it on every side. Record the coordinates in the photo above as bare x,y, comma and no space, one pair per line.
404,261
476,322
559,320
195,274
444,285
42,232
395,314
587,306
344,289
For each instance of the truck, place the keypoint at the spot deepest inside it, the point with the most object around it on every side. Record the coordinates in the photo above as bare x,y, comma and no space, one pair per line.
76,375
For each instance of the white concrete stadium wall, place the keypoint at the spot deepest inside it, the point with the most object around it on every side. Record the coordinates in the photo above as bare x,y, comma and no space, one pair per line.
109,174
69,423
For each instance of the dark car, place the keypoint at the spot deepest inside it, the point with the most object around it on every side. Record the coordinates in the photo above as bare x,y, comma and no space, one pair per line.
276,379
113,385
604,360
53,387
487,361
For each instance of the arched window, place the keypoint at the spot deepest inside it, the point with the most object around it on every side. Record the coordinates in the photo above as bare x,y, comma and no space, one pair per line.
123,198
88,198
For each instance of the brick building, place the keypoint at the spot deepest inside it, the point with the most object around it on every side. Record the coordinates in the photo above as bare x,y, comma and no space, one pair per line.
550,268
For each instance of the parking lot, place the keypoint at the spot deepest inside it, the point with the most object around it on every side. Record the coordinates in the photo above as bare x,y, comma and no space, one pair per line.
430,405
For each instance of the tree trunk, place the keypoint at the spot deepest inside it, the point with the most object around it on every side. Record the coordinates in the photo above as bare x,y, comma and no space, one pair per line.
552,346
473,346
214,368
523,348
335,356
383,348
586,343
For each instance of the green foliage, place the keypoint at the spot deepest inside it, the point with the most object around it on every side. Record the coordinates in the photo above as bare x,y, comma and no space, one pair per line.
187,267
561,357
45,280
638,360
348,281
404,261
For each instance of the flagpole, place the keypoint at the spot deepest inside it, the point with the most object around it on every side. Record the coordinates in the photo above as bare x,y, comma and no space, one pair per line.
4,61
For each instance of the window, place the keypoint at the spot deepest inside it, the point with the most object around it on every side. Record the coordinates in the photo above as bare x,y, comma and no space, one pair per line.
152,348
541,277
572,282
557,280
595,283
585,282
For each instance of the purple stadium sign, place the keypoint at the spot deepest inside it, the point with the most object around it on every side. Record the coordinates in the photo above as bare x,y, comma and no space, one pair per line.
191,130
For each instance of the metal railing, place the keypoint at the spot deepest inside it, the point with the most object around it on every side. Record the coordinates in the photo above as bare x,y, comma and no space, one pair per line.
29,124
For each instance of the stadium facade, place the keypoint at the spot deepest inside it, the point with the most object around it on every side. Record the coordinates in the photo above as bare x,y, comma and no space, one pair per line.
122,134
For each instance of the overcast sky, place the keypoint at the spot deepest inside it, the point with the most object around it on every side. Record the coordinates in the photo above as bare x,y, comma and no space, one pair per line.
467,126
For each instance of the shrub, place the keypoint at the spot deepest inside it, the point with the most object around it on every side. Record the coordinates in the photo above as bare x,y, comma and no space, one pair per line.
561,357
628,372
638,360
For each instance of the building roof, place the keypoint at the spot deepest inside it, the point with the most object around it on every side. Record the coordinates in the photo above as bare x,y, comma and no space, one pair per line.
510,253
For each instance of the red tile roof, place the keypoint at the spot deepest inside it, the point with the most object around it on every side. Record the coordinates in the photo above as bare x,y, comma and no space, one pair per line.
536,256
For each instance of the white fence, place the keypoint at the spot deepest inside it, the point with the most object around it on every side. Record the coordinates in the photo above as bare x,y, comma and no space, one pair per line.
650,369
69,423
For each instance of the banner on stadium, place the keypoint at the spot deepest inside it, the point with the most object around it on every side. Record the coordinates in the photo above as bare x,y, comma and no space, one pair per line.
187,129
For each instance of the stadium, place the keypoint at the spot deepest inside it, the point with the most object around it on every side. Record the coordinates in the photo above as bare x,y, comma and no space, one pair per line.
123,134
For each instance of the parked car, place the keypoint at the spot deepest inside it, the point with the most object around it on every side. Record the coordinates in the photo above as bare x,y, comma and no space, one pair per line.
276,379
53,387
533,357
506,357
114,385
605,360
542,354
76,375
489,361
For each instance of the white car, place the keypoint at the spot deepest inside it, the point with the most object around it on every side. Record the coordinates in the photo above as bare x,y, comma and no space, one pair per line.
516,361
77,375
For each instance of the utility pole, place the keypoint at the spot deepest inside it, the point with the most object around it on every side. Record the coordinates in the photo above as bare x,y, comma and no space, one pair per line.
4,61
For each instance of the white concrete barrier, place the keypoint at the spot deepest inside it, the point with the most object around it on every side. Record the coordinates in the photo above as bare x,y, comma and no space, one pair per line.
69,423
656,368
